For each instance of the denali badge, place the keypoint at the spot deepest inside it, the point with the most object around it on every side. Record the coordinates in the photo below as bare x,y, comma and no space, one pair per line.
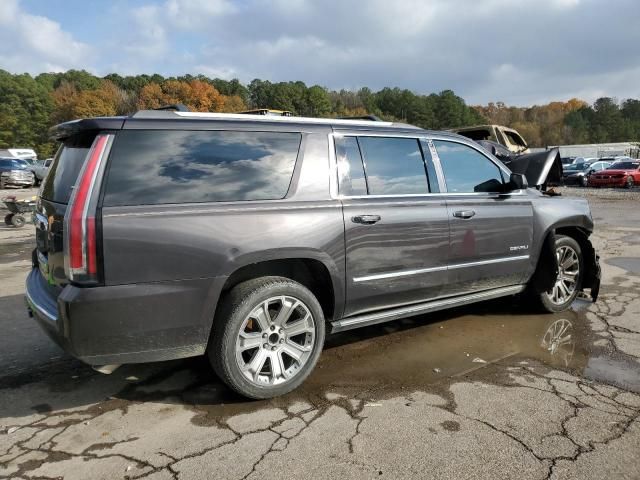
519,247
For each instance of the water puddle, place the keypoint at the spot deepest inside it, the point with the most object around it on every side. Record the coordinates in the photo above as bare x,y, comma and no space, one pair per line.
630,264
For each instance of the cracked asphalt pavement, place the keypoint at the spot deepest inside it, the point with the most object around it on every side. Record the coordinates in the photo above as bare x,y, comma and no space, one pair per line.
476,392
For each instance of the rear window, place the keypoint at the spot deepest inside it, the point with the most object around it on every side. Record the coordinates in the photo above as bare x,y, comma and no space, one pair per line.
65,169
515,139
161,167
625,165
479,134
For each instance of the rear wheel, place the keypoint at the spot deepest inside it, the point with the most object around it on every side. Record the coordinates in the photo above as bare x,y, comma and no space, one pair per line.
17,221
569,279
7,219
267,337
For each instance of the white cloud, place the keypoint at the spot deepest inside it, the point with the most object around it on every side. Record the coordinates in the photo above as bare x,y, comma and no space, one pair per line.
517,51
196,13
32,43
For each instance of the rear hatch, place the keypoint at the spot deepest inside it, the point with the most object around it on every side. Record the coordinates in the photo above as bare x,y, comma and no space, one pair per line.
52,205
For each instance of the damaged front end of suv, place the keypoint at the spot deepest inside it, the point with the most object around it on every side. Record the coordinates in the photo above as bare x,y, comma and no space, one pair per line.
543,171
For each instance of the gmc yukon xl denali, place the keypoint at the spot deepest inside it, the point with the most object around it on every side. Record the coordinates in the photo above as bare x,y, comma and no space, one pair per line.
171,234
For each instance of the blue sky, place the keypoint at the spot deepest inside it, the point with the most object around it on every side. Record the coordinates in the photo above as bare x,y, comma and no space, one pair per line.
517,51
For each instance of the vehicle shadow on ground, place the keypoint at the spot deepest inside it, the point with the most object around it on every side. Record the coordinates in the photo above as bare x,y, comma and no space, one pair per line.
408,353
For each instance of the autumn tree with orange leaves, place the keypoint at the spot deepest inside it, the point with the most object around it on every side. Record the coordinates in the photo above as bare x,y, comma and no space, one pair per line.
197,95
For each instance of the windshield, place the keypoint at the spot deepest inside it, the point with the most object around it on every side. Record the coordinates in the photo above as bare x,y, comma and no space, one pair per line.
624,166
13,163
577,167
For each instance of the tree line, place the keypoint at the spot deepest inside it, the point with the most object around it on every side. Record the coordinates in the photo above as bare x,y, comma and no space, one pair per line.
29,106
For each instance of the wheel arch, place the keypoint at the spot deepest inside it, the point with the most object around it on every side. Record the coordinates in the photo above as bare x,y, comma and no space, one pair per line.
547,264
321,279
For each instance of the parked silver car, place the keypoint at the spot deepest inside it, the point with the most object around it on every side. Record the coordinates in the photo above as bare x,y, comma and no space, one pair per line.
41,168
15,172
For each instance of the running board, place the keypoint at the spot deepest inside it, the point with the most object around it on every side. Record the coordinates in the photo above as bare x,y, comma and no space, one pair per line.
420,308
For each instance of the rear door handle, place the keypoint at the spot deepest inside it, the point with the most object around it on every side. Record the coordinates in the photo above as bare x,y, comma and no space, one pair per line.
464,214
366,219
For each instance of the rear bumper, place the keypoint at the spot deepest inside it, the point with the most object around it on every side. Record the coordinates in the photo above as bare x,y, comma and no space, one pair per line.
127,323
573,180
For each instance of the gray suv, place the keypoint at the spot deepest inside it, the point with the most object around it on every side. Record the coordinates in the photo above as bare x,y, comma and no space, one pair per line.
170,234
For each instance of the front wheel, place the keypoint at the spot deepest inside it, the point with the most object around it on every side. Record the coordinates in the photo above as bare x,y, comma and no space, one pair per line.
267,336
584,181
569,279
7,219
629,183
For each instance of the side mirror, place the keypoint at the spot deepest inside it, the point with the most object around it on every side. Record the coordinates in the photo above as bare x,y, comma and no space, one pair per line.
517,181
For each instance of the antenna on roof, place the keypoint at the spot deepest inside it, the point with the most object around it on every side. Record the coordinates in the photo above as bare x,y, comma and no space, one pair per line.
176,107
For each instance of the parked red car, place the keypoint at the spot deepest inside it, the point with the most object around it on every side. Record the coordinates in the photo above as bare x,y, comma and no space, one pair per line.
624,173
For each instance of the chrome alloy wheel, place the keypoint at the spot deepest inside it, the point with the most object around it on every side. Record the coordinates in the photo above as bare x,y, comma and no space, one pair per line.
568,272
275,340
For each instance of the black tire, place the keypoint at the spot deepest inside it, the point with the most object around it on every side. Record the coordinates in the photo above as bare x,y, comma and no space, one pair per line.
545,298
7,219
629,182
232,314
584,181
17,221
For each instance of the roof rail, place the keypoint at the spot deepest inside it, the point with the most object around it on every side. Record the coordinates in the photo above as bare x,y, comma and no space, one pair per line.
176,107
268,112
168,114
372,118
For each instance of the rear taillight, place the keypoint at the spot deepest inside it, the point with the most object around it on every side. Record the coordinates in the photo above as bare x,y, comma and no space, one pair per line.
80,247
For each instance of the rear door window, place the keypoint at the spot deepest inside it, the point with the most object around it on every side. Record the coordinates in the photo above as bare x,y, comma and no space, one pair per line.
148,167
350,170
394,166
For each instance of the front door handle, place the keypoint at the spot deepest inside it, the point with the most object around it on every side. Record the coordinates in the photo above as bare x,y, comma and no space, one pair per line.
366,219
466,214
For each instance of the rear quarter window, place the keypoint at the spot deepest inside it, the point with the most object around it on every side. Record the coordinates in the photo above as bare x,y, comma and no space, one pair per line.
150,167
65,168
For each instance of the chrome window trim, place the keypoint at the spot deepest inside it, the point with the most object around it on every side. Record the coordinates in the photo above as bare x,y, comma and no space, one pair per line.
476,147
333,164
333,168
404,273
428,139
435,158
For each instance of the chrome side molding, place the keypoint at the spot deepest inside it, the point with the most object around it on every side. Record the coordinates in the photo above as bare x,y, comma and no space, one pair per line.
404,273
420,308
